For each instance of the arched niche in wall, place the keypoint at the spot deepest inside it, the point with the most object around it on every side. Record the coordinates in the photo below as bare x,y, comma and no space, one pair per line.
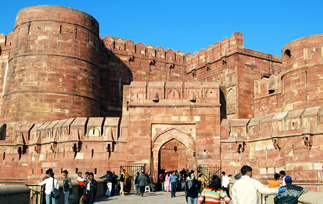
231,101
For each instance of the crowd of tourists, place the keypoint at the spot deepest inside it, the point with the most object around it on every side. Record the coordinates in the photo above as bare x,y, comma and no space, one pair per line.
197,189
244,189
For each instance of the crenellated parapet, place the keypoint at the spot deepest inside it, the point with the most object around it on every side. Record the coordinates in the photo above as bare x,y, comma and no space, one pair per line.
220,50
45,137
295,122
129,51
5,44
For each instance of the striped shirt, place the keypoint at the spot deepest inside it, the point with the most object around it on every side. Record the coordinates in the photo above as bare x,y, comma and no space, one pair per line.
209,196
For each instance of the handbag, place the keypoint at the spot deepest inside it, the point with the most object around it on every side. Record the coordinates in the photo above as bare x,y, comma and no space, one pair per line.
71,197
203,201
54,192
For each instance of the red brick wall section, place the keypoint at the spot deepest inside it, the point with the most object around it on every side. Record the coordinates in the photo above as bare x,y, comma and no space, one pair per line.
53,66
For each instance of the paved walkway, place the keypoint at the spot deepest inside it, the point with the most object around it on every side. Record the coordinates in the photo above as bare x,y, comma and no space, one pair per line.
149,198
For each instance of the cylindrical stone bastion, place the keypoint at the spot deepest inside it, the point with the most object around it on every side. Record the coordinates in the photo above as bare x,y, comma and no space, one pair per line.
53,70
302,77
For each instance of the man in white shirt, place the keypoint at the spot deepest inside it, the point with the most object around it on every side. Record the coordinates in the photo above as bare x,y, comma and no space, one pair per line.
225,183
82,182
244,191
49,187
283,175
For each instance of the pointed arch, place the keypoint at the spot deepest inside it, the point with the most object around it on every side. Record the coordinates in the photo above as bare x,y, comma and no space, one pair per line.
173,133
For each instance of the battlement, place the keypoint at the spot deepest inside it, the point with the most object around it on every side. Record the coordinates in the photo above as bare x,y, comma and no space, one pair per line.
129,48
198,59
5,45
293,123
156,93
213,53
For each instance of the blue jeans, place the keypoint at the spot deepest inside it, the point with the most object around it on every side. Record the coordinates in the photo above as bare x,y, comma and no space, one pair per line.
66,195
137,188
173,185
191,200
115,189
163,186
49,197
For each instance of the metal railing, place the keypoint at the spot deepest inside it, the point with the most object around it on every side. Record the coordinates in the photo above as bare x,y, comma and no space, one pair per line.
36,194
208,172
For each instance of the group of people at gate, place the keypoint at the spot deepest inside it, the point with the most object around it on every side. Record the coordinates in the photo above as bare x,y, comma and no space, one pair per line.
244,189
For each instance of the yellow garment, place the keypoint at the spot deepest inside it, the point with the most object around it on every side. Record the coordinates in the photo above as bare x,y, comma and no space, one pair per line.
202,181
273,184
127,182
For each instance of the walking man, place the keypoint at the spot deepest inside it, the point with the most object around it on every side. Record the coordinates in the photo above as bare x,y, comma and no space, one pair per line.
225,183
244,191
142,183
173,182
137,184
67,186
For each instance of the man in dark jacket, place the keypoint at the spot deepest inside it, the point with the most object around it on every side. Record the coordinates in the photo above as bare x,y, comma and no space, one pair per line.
137,183
109,179
115,183
291,194
91,188
192,187
142,183
67,186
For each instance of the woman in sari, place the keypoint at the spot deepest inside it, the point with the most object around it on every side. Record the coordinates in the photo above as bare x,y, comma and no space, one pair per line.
127,183
202,182
167,186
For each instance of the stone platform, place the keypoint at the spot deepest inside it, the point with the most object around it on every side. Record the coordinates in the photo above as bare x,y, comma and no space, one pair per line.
153,197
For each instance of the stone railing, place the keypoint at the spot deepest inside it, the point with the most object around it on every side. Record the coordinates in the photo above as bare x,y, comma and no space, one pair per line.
307,198
19,194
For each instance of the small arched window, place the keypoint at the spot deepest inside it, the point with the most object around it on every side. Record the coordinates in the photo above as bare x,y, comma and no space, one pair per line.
287,53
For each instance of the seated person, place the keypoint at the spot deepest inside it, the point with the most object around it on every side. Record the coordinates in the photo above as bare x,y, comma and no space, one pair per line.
291,194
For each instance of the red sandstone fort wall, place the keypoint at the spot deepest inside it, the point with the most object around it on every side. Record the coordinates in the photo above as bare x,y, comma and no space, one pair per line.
263,110
53,70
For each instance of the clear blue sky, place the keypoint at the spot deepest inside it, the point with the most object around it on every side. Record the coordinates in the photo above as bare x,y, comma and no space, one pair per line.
191,25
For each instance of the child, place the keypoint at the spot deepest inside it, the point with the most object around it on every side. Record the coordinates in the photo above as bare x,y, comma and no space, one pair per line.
274,183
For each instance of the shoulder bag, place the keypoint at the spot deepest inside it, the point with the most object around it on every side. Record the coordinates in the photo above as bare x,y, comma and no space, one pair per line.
55,191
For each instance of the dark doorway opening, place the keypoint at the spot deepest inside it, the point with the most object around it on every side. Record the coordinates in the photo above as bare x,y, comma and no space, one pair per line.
172,156
223,108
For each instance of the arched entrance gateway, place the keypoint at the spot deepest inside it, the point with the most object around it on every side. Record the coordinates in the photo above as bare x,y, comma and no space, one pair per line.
172,156
172,149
